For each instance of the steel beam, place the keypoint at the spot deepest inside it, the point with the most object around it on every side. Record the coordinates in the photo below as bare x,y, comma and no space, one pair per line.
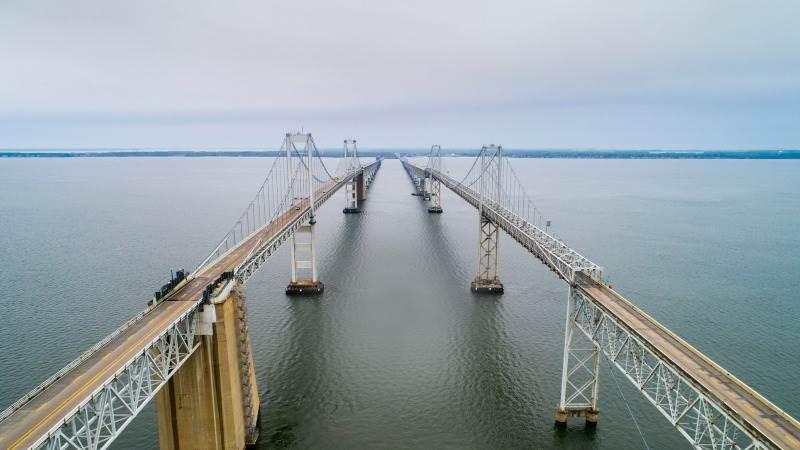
700,419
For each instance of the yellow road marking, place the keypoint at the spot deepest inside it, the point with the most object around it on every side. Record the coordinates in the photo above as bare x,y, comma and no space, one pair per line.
131,350
38,408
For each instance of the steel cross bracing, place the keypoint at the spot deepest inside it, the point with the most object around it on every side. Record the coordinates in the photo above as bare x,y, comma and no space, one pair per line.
434,186
106,412
702,420
102,413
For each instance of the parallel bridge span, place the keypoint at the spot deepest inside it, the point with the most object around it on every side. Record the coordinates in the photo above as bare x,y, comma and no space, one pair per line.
709,406
89,403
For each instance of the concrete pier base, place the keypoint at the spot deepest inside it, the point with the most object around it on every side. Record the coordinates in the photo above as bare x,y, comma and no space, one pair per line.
435,210
590,416
204,406
486,287
305,287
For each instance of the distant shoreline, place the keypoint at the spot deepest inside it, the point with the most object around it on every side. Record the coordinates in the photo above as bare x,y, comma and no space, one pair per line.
548,154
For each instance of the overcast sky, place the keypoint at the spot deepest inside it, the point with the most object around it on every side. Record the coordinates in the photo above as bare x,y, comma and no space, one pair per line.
526,74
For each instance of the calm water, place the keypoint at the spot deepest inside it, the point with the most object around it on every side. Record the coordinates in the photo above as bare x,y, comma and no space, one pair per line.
398,353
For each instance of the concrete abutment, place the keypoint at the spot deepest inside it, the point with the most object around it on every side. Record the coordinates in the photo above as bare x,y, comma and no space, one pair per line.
212,402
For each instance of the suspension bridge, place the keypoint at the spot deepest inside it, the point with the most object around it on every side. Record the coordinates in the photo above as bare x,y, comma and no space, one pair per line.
189,350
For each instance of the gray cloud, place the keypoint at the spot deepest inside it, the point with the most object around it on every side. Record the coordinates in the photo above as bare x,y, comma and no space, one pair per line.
524,73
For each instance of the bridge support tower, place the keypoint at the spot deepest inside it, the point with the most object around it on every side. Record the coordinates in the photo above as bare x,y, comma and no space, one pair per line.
354,190
487,280
303,238
434,185
579,373
304,259
212,401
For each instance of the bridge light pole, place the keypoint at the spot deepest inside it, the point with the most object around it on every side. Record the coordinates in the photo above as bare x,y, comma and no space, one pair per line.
487,280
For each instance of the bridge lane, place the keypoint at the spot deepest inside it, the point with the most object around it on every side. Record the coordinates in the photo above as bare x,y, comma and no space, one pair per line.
45,411
760,413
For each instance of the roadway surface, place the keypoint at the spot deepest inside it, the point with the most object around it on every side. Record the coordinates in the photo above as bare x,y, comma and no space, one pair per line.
764,417
49,408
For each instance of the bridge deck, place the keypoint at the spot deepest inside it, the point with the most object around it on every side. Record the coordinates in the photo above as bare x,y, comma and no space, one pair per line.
762,415
47,409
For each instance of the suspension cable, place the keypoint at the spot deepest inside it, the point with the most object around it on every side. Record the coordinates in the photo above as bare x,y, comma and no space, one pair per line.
627,405
314,176
325,168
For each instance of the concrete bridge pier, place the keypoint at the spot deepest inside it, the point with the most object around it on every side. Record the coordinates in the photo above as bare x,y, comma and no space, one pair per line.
435,166
355,192
579,375
435,195
303,247
425,183
212,402
419,184
487,281
361,187
351,197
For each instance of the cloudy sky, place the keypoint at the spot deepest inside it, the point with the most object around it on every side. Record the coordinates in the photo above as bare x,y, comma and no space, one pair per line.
527,74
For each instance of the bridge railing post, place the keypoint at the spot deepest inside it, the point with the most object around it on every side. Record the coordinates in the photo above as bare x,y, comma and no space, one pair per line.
580,370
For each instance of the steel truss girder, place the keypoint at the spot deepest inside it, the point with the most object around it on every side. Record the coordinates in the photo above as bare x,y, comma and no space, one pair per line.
704,422
106,413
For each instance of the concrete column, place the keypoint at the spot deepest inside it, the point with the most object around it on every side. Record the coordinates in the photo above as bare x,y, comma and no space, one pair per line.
187,406
303,247
361,187
351,197
202,406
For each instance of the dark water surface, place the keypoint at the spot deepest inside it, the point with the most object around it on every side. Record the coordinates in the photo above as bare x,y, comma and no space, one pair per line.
398,353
